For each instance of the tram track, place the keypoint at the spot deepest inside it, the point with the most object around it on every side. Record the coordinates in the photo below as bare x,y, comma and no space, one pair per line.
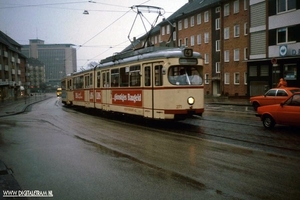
226,131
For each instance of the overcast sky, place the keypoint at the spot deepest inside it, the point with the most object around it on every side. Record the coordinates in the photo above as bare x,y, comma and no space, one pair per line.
96,36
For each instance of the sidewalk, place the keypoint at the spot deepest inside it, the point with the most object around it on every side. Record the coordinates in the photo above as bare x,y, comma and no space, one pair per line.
227,101
13,107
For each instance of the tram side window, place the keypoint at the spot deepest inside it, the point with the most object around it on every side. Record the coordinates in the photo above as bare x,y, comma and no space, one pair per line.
80,84
135,77
105,79
69,85
158,75
147,76
91,79
115,77
124,72
86,81
63,85
98,79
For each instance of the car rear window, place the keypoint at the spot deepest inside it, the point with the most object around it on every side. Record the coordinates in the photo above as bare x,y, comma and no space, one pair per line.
281,93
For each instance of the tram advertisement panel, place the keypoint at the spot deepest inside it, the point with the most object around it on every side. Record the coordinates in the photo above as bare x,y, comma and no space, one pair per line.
129,98
79,95
98,96
91,95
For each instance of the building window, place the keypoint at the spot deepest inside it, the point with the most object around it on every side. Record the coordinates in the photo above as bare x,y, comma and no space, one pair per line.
192,21
218,24
206,79
245,53
218,9
252,70
246,28
218,69
206,16
168,29
180,25
237,31
192,40
264,70
180,43
245,4
226,56
290,71
199,39
282,35
163,30
206,58
199,18
186,23
226,9
236,54
226,79
206,37
285,5
218,45
245,78
236,78
236,6
186,42
226,33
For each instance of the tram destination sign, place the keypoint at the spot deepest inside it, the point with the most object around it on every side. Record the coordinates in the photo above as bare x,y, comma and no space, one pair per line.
188,61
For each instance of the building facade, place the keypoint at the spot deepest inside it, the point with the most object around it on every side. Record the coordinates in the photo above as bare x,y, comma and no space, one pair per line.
274,44
36,71
13,79
59,59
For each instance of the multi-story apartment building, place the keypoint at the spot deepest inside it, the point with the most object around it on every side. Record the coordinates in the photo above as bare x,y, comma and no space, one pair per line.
218,29
36,70
59,59
274,44
12,68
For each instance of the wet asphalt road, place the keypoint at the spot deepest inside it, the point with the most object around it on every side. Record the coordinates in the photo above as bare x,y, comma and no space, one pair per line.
85,156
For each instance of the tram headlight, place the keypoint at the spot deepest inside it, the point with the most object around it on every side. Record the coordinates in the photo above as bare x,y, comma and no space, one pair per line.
191,100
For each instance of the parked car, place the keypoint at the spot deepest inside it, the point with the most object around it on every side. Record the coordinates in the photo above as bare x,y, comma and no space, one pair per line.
273,96
286,113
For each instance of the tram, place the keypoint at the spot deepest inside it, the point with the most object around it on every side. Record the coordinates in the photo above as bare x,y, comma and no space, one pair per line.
154,82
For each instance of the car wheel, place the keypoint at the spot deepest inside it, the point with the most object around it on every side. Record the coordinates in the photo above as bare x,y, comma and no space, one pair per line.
268,122
255,105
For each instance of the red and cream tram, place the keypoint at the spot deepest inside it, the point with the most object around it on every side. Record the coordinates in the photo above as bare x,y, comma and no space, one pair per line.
157,83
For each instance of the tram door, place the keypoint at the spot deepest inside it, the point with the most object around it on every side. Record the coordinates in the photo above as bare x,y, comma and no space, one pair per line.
106,95
148,91
152,79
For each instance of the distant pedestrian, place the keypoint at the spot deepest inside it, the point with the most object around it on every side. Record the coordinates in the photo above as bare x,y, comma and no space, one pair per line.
282,83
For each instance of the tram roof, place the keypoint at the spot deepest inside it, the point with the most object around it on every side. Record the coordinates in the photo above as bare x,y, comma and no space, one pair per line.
145,54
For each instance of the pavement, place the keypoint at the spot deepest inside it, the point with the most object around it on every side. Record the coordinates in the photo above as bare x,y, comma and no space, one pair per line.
14,107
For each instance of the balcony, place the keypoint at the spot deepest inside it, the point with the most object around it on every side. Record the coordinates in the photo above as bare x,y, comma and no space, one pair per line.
13,71
5,54
13,59
19,72
6,67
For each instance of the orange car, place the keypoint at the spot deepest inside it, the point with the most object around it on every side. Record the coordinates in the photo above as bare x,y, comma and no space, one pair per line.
286,113
273,96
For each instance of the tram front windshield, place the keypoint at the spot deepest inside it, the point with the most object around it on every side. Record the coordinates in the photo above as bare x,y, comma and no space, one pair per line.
184,75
